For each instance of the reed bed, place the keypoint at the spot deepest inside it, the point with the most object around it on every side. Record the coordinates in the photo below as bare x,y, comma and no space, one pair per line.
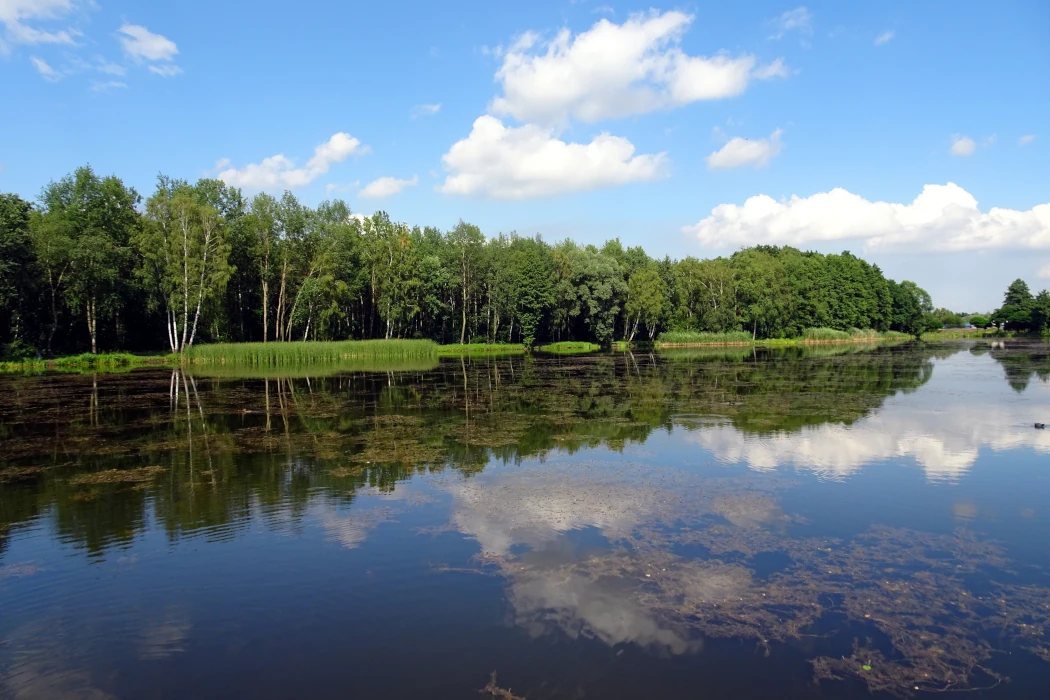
825,334
482,349
703,338
292,354
85,361
566,347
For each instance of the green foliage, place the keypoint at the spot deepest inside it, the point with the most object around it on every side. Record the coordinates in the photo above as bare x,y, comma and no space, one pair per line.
825,334
1022,312
703,338
201,263
979,321
568,348
307,352
481,349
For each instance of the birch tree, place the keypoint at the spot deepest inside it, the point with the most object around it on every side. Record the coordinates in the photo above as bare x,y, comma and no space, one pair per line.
184,247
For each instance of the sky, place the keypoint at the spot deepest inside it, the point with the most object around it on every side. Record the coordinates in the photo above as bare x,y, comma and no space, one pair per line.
915,135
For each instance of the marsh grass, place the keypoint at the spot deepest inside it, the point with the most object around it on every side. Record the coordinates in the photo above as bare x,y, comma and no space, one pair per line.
86,361
233,370
568,347
296,354
703,338
825,334
482,349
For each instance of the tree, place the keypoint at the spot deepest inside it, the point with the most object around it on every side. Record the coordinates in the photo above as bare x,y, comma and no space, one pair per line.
468,240
86,225
16,265
185,254
598,285
646,295
1041,312
1016,311
911,305
979,321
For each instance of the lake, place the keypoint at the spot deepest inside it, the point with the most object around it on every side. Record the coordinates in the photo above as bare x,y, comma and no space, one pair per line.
828,522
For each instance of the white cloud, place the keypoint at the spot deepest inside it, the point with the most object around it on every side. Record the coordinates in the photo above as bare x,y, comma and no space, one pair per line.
44,69
141,43
776,69
798,20
612,70
107,86
1026,139
425,110
502,162
739,151
962,146
884,38
1044,271
14,15
167,70
279,171
942,217
386,186
110,68
943,437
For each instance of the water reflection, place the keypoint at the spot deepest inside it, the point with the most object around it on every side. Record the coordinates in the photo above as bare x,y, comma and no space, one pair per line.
637,501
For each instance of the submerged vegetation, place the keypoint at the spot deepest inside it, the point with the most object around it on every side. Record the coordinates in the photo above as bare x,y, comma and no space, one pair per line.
112,458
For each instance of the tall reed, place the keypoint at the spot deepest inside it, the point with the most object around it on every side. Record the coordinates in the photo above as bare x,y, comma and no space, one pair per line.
703,337
290,354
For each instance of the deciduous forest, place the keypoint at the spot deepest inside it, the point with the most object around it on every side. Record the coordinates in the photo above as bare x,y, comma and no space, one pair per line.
92,266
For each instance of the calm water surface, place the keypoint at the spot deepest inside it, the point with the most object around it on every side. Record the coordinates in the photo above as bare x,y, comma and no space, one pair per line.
825,524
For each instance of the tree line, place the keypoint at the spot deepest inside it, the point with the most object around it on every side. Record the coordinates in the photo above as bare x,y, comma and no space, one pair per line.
92,266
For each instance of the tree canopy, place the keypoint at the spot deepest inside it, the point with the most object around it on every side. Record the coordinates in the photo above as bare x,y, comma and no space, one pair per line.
91,266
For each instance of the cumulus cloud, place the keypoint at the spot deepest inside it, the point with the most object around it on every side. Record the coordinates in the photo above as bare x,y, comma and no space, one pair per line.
425,110
45,69
279,171
501,162
942,217
1026,139
942,436
797,20
962,146
740,151
883,38
613,70
386,186
16,15
141,43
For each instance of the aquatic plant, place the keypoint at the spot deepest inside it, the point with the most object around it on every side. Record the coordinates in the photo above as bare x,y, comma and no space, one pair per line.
703,337
567,347
291,354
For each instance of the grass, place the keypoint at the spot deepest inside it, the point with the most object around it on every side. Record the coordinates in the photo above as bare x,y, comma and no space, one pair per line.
951,333
703,338
809,336
567,347
294,354
482,349
108,361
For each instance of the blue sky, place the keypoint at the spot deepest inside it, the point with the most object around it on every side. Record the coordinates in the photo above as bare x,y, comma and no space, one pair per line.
690,129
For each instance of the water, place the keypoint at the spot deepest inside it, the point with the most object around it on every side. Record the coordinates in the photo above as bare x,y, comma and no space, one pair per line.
792,524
